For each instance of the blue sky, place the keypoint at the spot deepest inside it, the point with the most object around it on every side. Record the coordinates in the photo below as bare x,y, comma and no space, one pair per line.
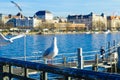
61,7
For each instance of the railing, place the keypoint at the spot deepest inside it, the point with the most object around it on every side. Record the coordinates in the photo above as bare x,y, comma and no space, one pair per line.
67,73
70,57
11,64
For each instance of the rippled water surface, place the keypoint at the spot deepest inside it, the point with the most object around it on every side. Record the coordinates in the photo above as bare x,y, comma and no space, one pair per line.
67,43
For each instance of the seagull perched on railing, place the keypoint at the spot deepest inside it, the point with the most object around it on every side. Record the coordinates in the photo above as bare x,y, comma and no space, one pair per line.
52,51
4,41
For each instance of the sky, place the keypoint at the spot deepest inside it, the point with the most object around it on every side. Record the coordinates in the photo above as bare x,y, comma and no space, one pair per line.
61,7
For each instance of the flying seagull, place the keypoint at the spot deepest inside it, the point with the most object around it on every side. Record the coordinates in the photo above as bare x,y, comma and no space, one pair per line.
4,41
16,5
52,51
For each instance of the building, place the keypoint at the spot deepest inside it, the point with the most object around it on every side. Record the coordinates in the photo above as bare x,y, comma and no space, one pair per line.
113,22
69,27
4,18
57,19
44,15
19,20
91,21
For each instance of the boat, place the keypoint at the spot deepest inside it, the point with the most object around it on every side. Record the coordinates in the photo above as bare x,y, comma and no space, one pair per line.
88,32
107,31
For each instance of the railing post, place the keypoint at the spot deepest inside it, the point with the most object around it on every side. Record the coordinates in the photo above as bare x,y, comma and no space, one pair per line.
80,58
67,78
109,51
1,72
118,50
25,72
64,60
10,71
44,74
95,66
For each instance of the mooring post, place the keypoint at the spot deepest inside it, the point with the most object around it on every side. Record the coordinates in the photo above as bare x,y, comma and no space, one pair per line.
118,65
80,58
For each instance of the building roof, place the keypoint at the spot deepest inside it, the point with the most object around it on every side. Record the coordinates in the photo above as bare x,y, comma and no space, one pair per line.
113,17
42,12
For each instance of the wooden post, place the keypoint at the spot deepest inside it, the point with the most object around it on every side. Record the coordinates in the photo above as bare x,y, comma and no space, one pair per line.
10,71
25,72
95,66
80,58
64,60
67,78
96,59
108,57
1,72
115,64
44,74
118,50
114,46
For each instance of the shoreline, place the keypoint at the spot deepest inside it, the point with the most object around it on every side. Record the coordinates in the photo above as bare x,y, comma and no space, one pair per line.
50,33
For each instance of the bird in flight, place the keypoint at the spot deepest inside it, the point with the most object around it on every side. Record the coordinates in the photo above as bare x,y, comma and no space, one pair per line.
4,41
52,51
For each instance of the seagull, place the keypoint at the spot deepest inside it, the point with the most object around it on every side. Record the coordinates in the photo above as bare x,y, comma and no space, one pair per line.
52,51
4,41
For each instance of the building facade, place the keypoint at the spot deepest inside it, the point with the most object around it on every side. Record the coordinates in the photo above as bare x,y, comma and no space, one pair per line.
113,22
91,21
19,20
44,15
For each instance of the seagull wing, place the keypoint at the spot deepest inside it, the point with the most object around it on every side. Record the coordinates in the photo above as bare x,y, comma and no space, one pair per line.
3,40
16,37
46,52
2,37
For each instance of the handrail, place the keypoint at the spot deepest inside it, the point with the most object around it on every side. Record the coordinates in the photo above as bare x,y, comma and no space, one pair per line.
67,72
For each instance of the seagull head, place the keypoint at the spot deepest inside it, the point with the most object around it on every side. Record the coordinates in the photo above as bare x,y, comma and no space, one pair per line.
54,39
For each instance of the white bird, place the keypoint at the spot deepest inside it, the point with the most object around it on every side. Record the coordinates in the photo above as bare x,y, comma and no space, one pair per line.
4,41
52,51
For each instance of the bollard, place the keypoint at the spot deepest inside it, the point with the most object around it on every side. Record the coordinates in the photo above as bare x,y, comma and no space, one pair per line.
80,58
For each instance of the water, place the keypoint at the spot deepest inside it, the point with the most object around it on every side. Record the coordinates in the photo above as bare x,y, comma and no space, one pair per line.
67,43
